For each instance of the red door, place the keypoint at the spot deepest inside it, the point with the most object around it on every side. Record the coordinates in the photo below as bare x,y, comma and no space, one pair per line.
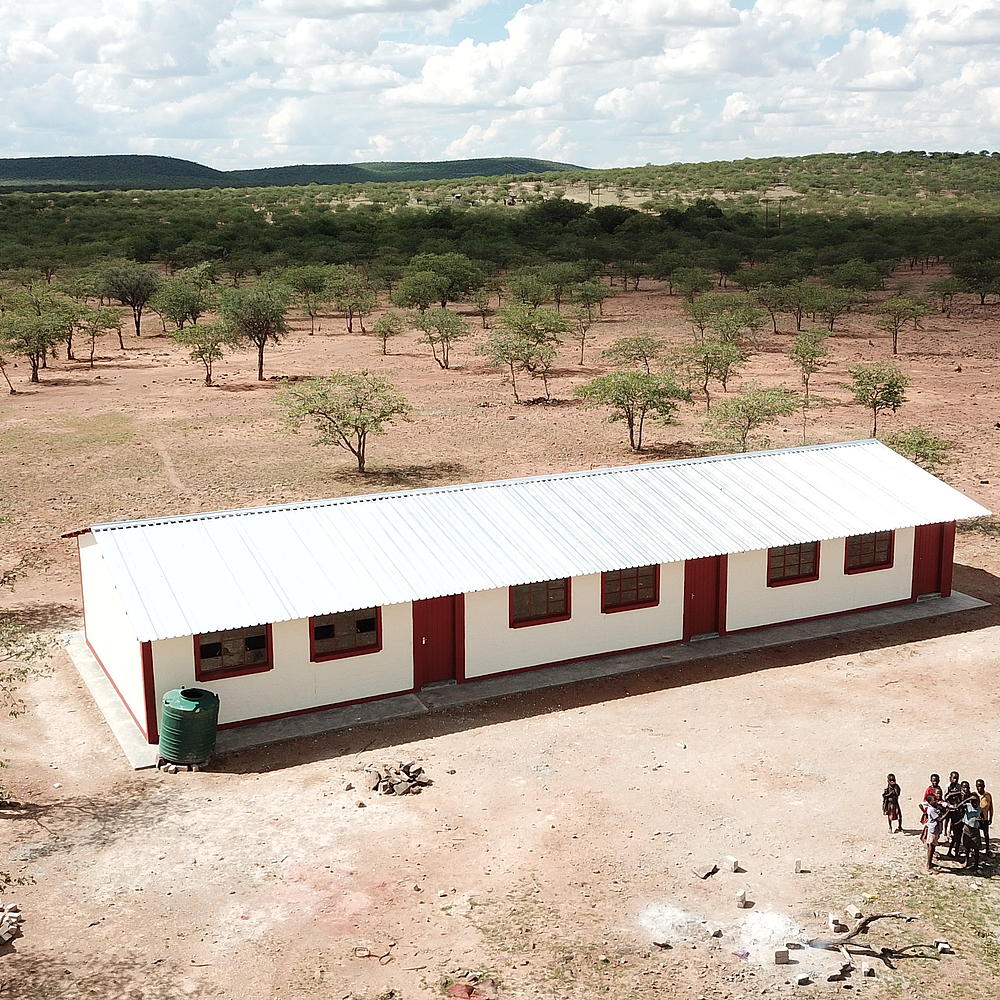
933,558
438,639
704,597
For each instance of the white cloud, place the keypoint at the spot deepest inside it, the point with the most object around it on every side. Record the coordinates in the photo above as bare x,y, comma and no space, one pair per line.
236,82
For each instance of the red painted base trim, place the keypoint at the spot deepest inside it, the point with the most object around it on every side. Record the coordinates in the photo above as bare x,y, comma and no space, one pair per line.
573,659
315,708
829,614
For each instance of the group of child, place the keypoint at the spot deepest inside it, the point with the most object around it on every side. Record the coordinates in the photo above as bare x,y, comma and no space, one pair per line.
956,812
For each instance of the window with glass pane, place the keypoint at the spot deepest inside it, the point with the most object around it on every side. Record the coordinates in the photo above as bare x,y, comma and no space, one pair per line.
344,633
872,551
539,602
630,588
793,563
233,650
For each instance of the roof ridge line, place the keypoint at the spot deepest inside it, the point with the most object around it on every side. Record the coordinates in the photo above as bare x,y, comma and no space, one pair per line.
210,515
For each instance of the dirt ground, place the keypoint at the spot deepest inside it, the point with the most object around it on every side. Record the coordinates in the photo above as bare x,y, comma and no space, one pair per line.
556,845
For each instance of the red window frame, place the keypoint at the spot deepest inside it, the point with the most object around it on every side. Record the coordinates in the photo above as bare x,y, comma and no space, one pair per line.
542,619
317,657
784,581
870,567
255,668
608,608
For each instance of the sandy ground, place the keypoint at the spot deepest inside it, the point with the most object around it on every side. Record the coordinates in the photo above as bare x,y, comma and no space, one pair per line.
561,848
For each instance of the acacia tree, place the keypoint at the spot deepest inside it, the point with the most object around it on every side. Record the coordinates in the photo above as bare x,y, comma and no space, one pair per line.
809,354
893,314
878,386
353,295
641,350
733,421
343,409
417,290
94,322
831,303
582,322
32,337
207,343
389,324
441,328
310,283
180,301
711,360
257,315
919,445
945,290
506,348
689,281
590,294
132,284
635,397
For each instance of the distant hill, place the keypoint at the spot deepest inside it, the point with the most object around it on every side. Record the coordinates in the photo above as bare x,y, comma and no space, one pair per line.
137,172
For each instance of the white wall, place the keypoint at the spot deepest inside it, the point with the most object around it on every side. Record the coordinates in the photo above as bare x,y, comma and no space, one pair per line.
750,601
493,646
109,631
294,682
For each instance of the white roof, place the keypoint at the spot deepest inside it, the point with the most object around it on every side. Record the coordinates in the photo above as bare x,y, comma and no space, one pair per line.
205,572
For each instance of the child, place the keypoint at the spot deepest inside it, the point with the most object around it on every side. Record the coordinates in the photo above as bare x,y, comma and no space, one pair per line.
890,803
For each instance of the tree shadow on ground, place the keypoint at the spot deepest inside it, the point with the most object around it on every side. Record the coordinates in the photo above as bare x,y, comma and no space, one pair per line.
36,617
405,477
54,975
645,679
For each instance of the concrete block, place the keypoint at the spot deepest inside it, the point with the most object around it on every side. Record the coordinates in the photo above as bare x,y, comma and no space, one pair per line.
729,864
943,948
741,899
781,956
867,969
798,866
854,912
802,980
834,922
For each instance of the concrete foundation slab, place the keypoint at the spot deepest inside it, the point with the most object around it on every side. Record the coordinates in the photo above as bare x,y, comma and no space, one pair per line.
442,697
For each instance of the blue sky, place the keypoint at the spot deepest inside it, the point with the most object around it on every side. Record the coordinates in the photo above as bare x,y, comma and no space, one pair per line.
237,83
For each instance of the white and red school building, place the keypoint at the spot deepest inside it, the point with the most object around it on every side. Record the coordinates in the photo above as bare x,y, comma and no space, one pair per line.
297,608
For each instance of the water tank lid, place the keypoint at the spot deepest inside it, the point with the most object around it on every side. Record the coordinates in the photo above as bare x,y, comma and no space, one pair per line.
191,699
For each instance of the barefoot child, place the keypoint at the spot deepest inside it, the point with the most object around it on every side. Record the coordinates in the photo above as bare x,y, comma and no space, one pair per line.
890,803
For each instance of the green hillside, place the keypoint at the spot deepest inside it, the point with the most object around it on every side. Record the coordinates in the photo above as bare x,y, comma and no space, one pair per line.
138,172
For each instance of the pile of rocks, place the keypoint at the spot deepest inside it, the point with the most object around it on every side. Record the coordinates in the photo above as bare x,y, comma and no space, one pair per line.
10,922
398,779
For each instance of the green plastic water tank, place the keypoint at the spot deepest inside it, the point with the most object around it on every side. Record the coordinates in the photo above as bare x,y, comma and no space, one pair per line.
189,724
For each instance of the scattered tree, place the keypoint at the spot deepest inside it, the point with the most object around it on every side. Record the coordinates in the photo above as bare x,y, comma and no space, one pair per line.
178,300
734,420
878,386
809,354
893,314
441,328
207,342
710,360
95,321
582,322
389,324
590,294
257,315
641,351
344,409
132,284
32,337
417,290
919,445
635,397
310,283
945,290
689,281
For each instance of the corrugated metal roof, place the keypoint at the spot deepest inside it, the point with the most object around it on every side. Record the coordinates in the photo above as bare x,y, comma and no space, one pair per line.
205,572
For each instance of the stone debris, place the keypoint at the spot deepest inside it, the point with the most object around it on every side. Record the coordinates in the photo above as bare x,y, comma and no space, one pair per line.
835,923
706,870
10,922
170,768
398,779
867,969
854,912
802,980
